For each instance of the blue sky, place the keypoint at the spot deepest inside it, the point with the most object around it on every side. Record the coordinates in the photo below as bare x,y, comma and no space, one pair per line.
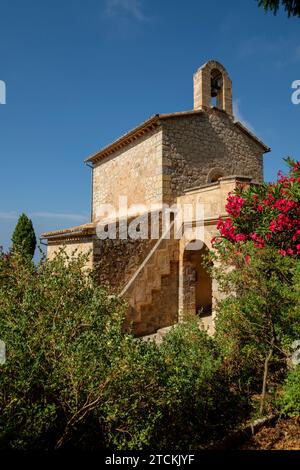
81,73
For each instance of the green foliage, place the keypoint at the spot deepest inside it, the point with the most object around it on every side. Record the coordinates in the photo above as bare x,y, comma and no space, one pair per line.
201,402
175,396
292,7
257,267
62,336
262,287
260,316
23,238
131,411
289,403
74,379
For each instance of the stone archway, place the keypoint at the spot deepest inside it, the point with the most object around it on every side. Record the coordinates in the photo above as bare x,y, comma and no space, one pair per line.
196,284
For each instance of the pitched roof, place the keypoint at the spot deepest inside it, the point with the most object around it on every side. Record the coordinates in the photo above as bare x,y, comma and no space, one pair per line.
77,231
154,122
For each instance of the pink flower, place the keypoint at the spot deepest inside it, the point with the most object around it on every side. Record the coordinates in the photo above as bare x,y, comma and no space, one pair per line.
240,237
284,205
281,252
234,205
226,229
273,226
259,242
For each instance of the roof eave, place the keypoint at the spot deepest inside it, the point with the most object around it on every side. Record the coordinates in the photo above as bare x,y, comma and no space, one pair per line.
152,123
252,136
126,139
79,230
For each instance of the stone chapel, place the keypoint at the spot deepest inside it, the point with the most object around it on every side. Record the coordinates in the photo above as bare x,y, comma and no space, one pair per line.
188,157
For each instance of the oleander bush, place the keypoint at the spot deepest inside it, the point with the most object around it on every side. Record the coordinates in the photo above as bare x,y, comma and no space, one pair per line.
266,214
258,269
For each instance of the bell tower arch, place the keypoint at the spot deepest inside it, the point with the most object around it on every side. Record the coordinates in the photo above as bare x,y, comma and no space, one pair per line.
212,81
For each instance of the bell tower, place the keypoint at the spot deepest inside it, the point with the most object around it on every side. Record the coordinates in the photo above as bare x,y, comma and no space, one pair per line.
212,81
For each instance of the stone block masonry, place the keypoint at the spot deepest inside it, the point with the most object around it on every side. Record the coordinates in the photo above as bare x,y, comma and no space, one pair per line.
190,157
197,143
135,172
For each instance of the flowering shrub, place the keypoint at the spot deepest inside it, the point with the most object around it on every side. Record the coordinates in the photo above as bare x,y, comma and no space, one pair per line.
267,214
258,318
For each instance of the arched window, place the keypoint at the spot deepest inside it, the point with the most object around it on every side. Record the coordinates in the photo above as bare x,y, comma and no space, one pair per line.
214,175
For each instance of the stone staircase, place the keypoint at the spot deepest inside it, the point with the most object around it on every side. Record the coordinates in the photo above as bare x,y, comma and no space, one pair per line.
146,280
158,337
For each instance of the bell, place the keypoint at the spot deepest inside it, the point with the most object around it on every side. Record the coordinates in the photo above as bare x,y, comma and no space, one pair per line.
216,85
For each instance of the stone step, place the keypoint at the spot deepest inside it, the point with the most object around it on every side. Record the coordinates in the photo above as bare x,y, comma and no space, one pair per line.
159,335
149,279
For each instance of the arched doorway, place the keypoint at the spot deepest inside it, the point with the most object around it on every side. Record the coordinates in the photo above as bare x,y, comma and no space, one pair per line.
197,282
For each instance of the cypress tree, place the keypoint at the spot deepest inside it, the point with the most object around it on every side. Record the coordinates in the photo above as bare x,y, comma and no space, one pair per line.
24,239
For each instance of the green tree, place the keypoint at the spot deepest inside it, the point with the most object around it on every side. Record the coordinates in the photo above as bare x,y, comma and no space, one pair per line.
260,317
23,238
258,320
292,7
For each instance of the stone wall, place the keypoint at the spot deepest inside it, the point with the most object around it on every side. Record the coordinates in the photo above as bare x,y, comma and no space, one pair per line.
195,144
163,310
212,197
135,172
117,260
72,248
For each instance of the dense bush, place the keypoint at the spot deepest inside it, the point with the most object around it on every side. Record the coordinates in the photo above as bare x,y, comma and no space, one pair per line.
201,402
258,319
289,403
74,379
174,396
63,336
